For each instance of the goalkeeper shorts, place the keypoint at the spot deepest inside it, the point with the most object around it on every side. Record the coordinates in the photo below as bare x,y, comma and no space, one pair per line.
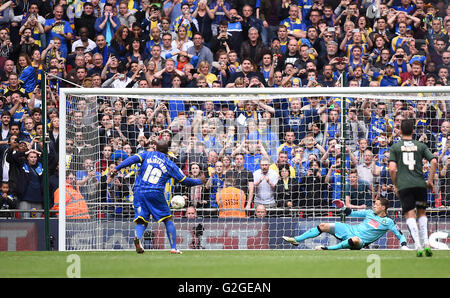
343,231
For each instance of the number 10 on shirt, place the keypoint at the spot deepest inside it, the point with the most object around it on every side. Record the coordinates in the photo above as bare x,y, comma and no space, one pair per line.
152,175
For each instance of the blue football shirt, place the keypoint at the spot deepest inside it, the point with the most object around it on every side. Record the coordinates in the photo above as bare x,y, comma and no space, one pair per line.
156,169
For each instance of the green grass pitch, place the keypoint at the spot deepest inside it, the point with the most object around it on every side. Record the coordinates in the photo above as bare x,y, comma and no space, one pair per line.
228,264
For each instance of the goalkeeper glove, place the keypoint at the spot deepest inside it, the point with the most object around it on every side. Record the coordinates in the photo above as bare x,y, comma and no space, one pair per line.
346,211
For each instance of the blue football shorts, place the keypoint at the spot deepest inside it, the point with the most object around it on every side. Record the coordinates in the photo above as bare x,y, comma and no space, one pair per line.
151,203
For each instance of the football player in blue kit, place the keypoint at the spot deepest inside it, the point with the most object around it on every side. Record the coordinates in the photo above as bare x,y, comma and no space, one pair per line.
155,170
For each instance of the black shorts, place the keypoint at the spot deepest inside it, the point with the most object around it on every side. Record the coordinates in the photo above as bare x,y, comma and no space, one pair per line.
411,198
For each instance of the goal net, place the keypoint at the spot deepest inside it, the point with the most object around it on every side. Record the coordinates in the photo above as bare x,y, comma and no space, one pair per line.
285,153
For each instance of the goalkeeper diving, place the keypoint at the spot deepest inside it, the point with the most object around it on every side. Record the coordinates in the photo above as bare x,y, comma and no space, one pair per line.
356,236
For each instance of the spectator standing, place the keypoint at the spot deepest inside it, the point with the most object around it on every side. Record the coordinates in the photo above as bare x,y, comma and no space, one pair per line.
294,24
120,43
269,13
27,76
328,56
287,188
156,59
379,120
197,194
204,69
167,72
88,180
334,178
446,59
8,67
356,129
87,19
126,16
182,42
215,183
26,46
155,39
223,40
102,47
253,154
204,17
249,20
221,10
265,184
6,150
253,47
84,40
289,144
7,201
108,24
30,191
19,107
313,188
58,27
168,51
199,50
235,29
186,19
37,30
165,27
97,65
283,159
97,8
247,72
440,138
290,56
171,8
380,28
297,120
369,171
358,192
4,130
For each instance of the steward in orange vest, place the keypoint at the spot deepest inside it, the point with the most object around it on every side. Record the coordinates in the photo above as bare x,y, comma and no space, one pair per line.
231,200
76,207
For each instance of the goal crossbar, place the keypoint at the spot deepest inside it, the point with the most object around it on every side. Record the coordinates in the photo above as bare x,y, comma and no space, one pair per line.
317,91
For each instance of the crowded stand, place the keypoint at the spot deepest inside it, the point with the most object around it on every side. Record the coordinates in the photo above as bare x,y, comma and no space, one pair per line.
281,154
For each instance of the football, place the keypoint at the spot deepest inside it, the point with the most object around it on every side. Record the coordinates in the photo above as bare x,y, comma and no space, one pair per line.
177,202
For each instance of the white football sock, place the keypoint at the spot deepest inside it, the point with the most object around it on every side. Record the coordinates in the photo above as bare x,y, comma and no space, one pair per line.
423,229
414,231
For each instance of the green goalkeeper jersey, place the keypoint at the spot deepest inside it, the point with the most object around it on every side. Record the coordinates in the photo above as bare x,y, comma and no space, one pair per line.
408,155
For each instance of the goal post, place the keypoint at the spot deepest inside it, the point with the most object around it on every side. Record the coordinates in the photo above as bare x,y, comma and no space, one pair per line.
62,172
109,225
